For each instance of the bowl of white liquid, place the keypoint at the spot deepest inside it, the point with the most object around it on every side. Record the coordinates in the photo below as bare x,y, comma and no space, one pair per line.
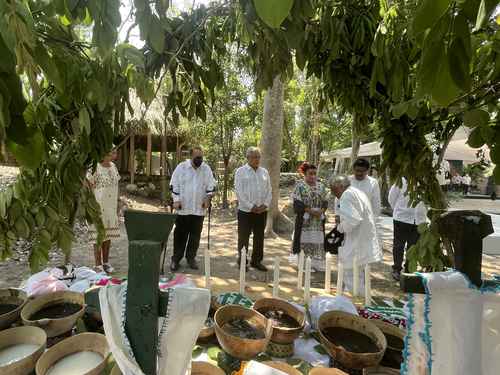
20,349
83,354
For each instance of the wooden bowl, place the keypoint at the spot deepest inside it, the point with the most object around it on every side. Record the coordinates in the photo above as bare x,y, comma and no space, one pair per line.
53,327
393,356
94,342
326,371
23,335
358,324
11,296
240,348
282,335
284,367
205,368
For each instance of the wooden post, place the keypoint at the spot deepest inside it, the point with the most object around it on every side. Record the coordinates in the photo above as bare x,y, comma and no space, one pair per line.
131,160
148,154
124,166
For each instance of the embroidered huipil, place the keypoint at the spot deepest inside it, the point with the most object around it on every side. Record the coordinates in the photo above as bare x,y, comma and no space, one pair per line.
191,186
253,187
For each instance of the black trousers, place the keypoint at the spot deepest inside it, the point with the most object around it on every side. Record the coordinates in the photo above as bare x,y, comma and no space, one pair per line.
250,223
187,231
405,235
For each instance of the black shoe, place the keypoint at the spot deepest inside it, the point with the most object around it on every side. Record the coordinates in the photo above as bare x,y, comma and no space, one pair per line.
174,266
193,265
260,267
396,276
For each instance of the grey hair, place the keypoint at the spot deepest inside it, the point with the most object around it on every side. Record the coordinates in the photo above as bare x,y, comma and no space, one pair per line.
340,180
252,150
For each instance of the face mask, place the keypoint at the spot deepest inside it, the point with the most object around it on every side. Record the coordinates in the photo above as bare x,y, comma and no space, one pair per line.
197,161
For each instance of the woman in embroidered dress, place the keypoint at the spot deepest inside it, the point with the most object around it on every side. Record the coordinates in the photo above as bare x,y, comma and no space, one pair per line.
310,201
104,182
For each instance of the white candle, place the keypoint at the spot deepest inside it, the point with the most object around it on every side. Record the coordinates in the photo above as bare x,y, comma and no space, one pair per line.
355,277
243,270
301,270
328,273
307,282
207,269
276,280
368,286
340,279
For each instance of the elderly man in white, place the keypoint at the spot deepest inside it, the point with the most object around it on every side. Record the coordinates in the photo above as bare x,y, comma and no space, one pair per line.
360,247
406,221
254,193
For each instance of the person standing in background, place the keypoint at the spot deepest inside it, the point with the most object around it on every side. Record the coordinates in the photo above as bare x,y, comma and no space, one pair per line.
193,186
254,193
406,221
368,185
466,181
104,182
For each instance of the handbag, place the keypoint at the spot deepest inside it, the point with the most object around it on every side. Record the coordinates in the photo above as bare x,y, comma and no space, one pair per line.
333,240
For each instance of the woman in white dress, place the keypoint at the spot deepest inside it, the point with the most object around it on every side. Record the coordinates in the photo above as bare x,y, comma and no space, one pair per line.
104,182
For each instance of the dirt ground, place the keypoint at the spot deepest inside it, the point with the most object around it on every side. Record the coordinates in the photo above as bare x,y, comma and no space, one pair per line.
223,265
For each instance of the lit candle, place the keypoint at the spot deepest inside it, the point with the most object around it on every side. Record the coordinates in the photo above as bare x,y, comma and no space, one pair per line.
328,273
276,281
207,269
307,282
368,286
243,270
355,277
301,270
340,279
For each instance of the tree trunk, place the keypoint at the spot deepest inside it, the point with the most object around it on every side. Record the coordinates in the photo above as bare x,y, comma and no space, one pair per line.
272,137
356,137
225,187
148,153
163,168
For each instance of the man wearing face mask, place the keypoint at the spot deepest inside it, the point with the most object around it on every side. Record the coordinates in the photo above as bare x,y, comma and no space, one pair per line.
193,186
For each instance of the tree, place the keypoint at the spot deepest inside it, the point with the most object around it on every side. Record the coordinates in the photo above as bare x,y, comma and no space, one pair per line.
270,144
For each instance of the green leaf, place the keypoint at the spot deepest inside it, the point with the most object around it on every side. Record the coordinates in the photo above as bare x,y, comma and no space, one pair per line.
476,117
48,66
496,174
8,60
197,350
274,12
428,13
400,109
459,64
84,120
213,352
485,10
319,349
476,138
157,35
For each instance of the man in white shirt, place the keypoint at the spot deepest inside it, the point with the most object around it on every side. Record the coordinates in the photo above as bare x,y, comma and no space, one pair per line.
360,245
368,185
466,182
192,186
406,221
254,193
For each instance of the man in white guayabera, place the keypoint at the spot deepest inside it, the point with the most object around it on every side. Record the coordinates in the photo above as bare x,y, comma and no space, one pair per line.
254,193
192,186
360,245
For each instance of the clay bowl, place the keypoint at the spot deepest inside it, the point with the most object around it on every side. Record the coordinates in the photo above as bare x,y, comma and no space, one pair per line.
205,368
393,355
326,371
53,327
94,342
11,297
240,348
358,324
23,335
282,335
284,367
207,333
